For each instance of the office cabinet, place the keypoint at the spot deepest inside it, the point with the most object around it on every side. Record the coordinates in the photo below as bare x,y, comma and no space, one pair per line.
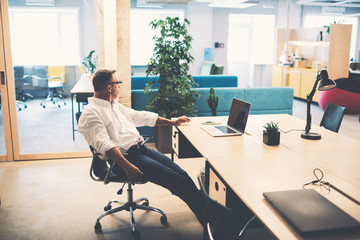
295,81
278,76
308,78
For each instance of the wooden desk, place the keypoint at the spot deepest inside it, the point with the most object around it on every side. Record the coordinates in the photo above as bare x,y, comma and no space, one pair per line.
82,90
250,167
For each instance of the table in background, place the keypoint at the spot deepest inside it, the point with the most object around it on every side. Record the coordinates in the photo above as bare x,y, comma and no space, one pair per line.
249,167
82,90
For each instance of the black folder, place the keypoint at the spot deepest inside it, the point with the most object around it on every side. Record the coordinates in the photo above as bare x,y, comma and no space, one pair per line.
311,214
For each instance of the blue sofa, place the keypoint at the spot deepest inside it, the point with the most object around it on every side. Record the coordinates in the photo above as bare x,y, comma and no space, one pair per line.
263,100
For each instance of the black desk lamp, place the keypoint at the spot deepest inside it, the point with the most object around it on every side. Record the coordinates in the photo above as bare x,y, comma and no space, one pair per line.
325,84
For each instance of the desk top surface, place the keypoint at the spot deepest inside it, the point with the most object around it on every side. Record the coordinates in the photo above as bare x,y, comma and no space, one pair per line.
84,85
250,167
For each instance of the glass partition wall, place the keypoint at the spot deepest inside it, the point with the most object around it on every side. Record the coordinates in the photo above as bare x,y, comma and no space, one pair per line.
44,54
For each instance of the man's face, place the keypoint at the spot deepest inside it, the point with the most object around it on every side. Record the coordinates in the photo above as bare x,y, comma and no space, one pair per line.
115,85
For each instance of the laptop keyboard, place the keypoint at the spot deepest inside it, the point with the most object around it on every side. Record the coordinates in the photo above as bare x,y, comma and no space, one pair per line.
225,129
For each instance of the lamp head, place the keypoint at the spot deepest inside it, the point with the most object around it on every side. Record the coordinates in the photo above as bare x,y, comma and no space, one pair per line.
325,82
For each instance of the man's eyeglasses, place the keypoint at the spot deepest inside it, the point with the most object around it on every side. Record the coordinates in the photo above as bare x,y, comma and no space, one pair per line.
119,82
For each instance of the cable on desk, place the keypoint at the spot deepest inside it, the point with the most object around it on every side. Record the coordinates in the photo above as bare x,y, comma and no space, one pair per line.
301,130
318,180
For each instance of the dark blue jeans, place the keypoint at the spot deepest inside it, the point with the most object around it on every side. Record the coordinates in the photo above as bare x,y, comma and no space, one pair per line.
161,170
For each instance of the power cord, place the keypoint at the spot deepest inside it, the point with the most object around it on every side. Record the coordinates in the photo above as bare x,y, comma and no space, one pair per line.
318,180
300,130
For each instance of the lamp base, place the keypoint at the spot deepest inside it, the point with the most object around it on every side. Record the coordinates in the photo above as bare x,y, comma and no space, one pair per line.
311,136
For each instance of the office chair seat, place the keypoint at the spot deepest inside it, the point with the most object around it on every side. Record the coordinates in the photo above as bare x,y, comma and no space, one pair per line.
100,171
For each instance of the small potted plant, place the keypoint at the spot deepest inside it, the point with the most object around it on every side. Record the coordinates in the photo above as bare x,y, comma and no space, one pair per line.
271,134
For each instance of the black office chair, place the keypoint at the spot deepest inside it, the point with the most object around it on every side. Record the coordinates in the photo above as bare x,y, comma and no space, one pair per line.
332,117
53,84
20,83
228,223
100,171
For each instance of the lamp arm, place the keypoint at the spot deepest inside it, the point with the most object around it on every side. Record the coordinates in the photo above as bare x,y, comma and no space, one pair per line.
309,98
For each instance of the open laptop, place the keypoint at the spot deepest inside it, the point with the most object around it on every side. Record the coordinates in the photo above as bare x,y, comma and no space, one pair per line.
310,213
236,124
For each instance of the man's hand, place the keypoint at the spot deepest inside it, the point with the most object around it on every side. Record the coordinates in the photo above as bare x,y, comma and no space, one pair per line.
181,120
133,173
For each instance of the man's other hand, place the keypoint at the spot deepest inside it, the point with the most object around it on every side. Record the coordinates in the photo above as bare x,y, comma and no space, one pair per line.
181,120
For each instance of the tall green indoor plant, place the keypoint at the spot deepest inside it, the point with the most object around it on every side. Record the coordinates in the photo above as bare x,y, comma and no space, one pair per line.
173,94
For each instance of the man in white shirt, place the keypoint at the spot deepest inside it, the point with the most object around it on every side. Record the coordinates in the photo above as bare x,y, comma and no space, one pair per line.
110,128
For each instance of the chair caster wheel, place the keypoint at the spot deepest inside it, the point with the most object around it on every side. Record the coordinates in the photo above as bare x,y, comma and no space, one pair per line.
107,208
59,106
43,106
97,227
145,203
135,233
163,220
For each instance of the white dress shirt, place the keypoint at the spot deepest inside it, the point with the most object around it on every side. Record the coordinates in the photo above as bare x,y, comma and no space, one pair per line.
106,125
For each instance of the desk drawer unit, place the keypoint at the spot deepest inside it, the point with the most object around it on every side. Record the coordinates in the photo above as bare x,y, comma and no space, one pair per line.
175,140
181,145
217,189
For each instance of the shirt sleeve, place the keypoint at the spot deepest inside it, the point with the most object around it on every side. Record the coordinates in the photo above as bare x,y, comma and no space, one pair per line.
141,118
92,127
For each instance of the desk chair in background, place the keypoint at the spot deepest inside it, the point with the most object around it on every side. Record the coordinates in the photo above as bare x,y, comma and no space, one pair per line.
217,70
228,223
55,81
21,81
100,171
332,117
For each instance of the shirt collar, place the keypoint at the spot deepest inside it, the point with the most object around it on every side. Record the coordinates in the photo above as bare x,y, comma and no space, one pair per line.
100,102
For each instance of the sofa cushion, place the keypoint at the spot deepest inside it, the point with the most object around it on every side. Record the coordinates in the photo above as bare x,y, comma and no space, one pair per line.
216,81
139,82
270,100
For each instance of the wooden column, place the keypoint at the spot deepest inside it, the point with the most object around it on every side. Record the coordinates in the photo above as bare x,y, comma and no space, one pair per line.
113,42
339,49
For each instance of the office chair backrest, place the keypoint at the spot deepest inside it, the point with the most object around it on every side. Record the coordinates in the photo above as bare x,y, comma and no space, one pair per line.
222,222
18,72
217,70
332,117
57,71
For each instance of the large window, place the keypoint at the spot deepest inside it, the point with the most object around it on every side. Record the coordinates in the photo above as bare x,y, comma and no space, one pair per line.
141,34
321,21
44,37
247,34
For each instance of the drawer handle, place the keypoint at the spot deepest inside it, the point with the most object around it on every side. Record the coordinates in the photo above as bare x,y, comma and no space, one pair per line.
175,133
216,186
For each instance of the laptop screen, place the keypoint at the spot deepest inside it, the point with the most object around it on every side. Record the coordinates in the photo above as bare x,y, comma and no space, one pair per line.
239,113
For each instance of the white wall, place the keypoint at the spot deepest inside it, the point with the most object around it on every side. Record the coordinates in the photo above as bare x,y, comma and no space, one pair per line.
201,29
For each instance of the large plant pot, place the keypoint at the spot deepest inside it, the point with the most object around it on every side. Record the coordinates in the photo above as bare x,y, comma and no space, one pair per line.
271,138
163,138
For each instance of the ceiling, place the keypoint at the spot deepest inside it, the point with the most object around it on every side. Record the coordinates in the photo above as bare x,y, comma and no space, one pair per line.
331,3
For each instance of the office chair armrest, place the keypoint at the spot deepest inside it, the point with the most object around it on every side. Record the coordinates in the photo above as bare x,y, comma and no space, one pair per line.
108,173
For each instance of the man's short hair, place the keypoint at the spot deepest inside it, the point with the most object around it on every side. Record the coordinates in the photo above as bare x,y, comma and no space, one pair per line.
102,78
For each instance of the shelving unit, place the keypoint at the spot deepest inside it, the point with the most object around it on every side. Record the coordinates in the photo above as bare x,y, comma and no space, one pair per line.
332,54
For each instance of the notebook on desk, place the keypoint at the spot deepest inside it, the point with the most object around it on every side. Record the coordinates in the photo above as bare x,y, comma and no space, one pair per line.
311,214
236,123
